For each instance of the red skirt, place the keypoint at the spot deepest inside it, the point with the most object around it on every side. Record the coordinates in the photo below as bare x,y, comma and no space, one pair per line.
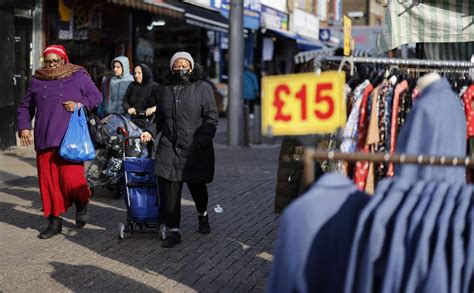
61,182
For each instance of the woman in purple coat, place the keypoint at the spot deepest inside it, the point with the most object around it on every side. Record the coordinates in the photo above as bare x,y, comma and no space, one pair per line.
53,93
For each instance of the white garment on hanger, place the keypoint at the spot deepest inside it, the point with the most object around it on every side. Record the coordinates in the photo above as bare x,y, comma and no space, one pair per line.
268,48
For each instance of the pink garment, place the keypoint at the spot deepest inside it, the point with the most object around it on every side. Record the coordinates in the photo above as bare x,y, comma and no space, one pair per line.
393,130
362,168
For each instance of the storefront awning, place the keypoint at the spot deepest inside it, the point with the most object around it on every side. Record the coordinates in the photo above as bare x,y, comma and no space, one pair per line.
427,22
281,33
153,6
305,44
206,18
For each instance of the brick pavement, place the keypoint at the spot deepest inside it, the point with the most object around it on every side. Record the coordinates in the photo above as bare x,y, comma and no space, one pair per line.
235,257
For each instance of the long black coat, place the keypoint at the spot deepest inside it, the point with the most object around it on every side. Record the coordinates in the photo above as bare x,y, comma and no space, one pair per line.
187,117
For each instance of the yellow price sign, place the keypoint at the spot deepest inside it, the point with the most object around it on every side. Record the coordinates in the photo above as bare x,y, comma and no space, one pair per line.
347,35
300,104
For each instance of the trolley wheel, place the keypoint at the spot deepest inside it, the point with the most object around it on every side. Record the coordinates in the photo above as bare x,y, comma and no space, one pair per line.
121,231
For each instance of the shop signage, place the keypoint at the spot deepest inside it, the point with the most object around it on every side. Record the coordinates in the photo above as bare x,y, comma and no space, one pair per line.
323,10
305,24
273,19
275,4
301,104
324,35
252,9
206,3
337,11
154,2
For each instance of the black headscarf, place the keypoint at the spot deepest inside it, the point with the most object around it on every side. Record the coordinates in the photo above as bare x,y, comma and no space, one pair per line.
142,95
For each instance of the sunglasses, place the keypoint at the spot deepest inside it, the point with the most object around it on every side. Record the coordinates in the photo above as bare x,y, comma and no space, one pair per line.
52,61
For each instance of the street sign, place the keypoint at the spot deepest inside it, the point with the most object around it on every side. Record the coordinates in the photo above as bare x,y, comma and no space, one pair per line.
324,35
300,104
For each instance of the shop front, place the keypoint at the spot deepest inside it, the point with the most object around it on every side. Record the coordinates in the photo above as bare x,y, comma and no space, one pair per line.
199,33
252,11
95,32
277,44
17,21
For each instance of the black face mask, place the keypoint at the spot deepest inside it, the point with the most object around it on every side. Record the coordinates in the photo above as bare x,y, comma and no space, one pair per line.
182,74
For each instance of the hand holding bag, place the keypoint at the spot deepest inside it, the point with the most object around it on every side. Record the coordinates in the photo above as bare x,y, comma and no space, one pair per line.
77,145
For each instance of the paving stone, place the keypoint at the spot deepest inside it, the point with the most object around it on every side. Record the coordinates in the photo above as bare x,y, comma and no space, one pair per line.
233,258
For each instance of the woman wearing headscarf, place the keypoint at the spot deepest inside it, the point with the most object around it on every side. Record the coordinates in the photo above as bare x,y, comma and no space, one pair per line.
118,85
141,97
53,93
187,118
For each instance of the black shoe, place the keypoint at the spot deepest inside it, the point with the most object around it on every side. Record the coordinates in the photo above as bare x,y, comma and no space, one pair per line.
172,239
81,215
55,227
204,227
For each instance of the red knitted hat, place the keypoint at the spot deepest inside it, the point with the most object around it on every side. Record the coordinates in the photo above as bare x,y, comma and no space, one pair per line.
58,50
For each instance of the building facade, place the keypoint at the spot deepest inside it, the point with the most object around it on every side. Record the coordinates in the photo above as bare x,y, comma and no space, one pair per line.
148,31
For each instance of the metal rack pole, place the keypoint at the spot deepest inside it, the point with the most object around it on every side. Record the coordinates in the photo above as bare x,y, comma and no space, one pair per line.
393,158
311,154
406,62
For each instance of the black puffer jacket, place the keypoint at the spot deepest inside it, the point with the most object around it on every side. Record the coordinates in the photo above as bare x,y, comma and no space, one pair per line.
187,117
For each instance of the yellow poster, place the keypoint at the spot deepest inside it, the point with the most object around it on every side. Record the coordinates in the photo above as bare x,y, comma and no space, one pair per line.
300,104
347,35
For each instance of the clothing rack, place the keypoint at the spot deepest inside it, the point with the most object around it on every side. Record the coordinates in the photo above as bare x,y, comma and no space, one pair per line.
406,62
468,66
312,154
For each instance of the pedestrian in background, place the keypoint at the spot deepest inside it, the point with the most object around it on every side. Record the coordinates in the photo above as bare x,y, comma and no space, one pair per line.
187,118
53,93
251,88
117,86
141,97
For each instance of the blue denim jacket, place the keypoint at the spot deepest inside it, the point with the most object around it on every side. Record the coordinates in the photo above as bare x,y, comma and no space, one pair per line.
436,126
302,222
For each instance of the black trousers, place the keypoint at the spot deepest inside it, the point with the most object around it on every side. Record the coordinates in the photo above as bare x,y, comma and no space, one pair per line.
171,207
251,104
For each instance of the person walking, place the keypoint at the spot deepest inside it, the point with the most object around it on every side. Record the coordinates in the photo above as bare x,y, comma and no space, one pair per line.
141,97
251,88
53,94
187,118
118,85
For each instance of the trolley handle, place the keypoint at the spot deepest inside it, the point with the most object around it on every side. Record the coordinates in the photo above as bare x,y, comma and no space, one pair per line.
141,114
122,131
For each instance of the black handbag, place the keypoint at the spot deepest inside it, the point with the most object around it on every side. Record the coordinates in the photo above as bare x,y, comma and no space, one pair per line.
100,135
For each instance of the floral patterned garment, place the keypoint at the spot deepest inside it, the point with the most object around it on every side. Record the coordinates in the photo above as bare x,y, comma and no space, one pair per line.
349,140
467,99
401,87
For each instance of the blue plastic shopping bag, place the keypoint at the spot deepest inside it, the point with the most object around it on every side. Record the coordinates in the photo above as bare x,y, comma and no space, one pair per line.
77,145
